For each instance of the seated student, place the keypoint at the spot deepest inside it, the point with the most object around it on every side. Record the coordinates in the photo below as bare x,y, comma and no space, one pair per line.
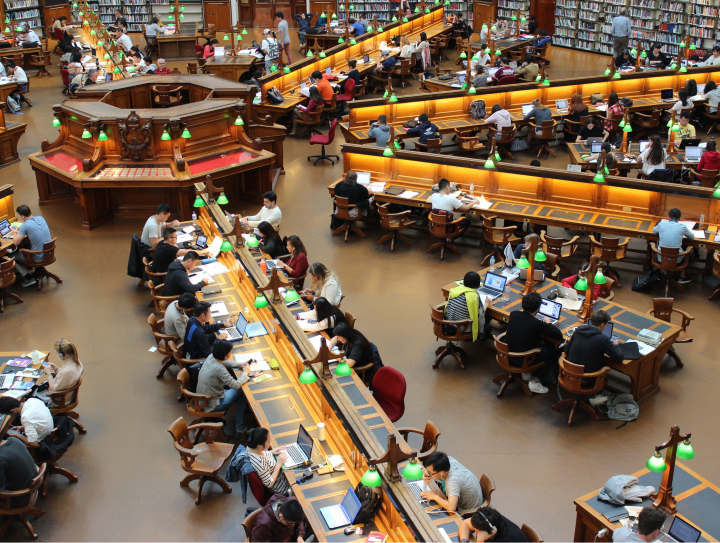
37,231
161,69
138,62
541,40
215,379
614,108
92,77
653,157
424,129
711,93
297,266
280,520
123,39
499,117
356,194
444,204
714,59
483,60
271,242
68,375
588,346
209,49
591,129
17,74
609,157
687,130
176,314
155,225
408,49
167,251
29,34
261,455
385,64
505,69
36,422
489,525
357,348
539,113
176,279
577,108
269,212
710,159
656,58
380,131
323,318
316,102
200,336
355,27
463,303
462,487
518,252
149,66
569,282
671,233
354,73
525,333
17,468
624,61
323,85
153,29
119,22
683,104
532,25
529,69
650,522
325,284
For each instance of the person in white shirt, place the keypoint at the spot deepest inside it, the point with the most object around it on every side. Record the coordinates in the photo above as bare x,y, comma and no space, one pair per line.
265,47
36,422
270,212
484,59
714,60
325,284
30,35
123,39
501,118
443,202
650,522
154,226
16,72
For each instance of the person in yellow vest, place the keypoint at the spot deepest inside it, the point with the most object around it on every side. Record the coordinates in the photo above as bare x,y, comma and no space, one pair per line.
463,303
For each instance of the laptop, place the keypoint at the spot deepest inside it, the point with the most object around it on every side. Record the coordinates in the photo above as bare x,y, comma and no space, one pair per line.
236,333
328,70
596,147
666,95
561,105
366,59
693,154
5,228
526,108
304,89
417,487
461,78
200,243
493,286
344,513
363,178
608,331
701,88
680,531
491,71
591,140
644,145
550,310
301,451
538,275
255,329
690,142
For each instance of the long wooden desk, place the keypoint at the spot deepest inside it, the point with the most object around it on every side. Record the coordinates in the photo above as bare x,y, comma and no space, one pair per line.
620,206
231,68
644,373
10,133
26,52
178,46
698,502
675,160
356,426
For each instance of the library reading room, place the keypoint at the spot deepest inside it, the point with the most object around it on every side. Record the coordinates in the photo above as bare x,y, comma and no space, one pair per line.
500,331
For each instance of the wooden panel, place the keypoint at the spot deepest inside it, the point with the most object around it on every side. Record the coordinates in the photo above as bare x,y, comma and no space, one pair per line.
122,99
483,12
568,192
217,12
619,199
7,208
545,15
51,14
141,97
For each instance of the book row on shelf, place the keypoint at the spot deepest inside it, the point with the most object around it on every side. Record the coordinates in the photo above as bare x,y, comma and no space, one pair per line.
21,4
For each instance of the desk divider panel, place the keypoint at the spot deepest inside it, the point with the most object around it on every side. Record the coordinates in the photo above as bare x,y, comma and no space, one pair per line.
568,192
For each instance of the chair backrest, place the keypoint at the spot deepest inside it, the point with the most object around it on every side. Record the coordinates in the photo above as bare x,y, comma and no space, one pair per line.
716,264
606,289
507,80
507,134
571,378
343,209
48,252
65,76
503,356
65,400
192,67
196,402
487,485
350,318
709,178
609,249
463,332
531,534
331,106
7,273
59,33
648,121
331,132
166,94
6,496
668,258
181,438
249,522
389,389
199,49
431,434
663,308
573,127
403,68
440,227
349,86
498,235
548,130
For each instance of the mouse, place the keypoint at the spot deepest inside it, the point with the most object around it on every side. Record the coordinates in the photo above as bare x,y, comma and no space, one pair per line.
349,530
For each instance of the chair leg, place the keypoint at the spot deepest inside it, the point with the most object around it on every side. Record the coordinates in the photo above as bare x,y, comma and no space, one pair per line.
198,494
24,521
563,403
357,231
506,379
190,478
227,489
79,426
403,239
673,354
715,294
54,468
166,363
449,349
386,237
588,409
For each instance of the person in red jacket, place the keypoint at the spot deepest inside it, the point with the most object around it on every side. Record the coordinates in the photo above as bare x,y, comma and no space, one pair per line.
569,282
297,266
710,158
281,520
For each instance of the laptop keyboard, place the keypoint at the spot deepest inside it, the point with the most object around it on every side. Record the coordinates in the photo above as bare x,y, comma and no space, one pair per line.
416,490
489,292
295,455
232,333
7,381
666,538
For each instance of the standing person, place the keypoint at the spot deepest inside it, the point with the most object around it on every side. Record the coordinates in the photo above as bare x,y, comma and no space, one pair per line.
620,31
282,27
269,212
671,233
380,131
36,229
156,224
66,376
297,266
271,48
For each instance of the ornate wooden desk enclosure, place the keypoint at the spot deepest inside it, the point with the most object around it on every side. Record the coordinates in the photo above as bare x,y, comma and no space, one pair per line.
124,161
9,138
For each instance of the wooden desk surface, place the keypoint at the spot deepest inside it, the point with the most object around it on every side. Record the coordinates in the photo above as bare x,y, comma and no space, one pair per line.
226,60
182,36
675,161
644,372
505,44
5,357
698,502
12,51
201,80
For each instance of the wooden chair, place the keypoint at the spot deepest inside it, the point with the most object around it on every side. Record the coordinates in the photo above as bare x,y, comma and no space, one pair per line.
402,70
560,248
66,401
668,263
151,43
166,95
311,119
606,289
344,208
23,88
40,268
707,178
531,534
507,80
157,278
440,227
548,131
196,404
513,373
249,523
571,379
350,318
359,90
643,123
298,282
162,341
615,120
507,135
42,61
498,237
552,268
714,118
487,485
433,145
201,461
18,513
7,279
394,222
716,273
192,68
430,436
463,332
663,310
539,53
609,250
160,302
468,140
382,81
571,129
52,466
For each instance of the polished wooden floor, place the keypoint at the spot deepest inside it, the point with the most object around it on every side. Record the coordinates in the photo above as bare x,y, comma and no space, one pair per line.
129,471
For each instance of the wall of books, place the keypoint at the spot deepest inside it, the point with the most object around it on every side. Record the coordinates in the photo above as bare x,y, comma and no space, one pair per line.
386,10
25,12
139,12
586,25
507,9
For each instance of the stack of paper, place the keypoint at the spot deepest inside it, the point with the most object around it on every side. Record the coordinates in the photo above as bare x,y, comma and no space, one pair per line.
214,268
189,229
377,186
197,277
483,203
699,234
219,309
408,194
258,362
183,237
316,342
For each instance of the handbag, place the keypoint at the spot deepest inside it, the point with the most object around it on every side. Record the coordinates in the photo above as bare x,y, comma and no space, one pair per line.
275,96
596,97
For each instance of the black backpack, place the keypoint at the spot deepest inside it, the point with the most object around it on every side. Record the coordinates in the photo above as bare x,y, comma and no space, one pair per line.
477,110
626,102
370,502
646,281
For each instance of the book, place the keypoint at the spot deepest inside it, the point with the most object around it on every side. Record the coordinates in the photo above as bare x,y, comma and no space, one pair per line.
376,537
20,362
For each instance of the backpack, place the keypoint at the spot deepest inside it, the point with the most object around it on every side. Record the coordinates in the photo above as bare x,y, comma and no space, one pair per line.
12,104
275,96
273,50
518,144
645,281
477,110
370,502
691,87
622,407
596,97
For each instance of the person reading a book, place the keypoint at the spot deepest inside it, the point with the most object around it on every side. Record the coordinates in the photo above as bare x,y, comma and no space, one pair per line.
36,422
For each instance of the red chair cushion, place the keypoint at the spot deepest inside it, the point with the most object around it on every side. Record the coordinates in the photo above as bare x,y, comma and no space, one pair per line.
389,389
260,491
507,80
319,139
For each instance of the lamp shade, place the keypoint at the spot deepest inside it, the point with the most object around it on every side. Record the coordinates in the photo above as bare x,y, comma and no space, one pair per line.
656,463
716,194
514,18
199,202
633,51
102,136
352,41
185,134
484,26
616,75
309,53
599,178
523,263
56,121
683,69
371,478
341,40
307,377
540,256
81,14
379,29
413,471
675,128
463,55
107,56
682,43
239,121
404,19
497,156
523,19
222,199
165,136
489,164
322,54
476,56
546,82
92,32
394,19
100,43
387,152
498,52
493,28
343,369
252,241
244,31
627,128
182,15
86,134
581,284
600,278
487,50
226,37
116,70
472,90
538,77
685,451
643,55
607,71
333,16
427,10
393,98
291,295
622,123
693,46
417,9
260,301
226,246
369,28
273,68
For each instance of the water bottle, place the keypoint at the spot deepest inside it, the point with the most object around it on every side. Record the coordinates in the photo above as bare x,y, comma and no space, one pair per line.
492,263
472,189
194,218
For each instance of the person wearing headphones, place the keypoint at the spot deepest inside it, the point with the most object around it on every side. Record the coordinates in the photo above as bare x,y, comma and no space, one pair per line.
67,376
489,525
458,483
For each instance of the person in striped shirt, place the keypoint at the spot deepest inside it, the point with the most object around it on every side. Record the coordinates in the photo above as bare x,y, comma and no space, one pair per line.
263,461
463,304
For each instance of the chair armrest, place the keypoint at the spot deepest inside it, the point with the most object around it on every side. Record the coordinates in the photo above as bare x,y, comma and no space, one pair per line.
624,243
30,252
687,317
518,355
574,240
212,429
598,373
187,452
405,432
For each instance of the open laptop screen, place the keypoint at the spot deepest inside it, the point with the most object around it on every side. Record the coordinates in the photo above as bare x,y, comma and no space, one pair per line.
351,504
4,227
461,78
666,94
241,324
495,281
550,309
693,153
305,441
561,104
491,71
526,108
363,178
596,147
683,531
